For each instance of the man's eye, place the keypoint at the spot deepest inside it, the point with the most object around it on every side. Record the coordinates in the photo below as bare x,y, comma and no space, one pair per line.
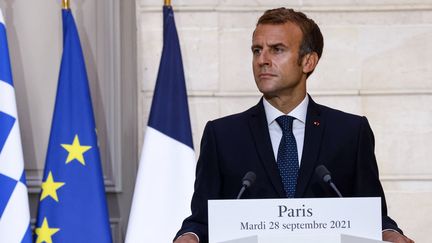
278,49
256,51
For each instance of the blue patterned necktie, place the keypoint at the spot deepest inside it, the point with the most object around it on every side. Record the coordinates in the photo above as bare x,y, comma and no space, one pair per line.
287,158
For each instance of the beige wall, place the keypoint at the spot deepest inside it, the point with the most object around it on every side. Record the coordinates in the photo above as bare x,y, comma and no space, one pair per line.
376,63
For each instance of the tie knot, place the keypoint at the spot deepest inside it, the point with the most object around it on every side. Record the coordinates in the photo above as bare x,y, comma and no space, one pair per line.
285,122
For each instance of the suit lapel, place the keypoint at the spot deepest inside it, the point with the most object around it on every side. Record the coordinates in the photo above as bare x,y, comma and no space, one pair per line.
315,124
259,129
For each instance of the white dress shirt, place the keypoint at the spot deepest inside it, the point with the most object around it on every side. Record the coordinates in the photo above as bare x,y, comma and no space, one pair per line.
299,124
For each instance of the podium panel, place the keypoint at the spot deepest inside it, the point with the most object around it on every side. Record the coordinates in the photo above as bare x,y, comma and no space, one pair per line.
314,219
304,239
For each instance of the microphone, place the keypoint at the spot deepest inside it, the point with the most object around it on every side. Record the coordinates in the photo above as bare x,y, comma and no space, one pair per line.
247,181
322,172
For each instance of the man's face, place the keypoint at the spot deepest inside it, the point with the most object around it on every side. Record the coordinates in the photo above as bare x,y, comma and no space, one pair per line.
276,67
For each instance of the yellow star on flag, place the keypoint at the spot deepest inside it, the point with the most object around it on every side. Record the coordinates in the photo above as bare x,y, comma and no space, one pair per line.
75,151
44,233
49,187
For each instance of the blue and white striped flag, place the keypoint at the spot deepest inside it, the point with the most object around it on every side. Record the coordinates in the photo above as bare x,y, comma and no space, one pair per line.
164,184
14,206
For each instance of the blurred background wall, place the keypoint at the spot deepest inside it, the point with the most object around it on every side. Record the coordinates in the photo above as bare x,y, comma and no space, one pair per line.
376,62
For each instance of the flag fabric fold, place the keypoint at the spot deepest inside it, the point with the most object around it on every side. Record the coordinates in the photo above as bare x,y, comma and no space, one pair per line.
14,205
164,183
72,203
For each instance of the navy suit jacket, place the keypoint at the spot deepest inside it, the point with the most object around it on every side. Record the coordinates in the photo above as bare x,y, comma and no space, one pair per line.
233,145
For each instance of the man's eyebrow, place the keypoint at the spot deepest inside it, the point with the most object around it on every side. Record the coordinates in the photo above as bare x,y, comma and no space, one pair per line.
256,46
279,44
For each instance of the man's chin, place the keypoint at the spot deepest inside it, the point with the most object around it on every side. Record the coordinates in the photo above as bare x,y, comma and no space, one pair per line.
266,90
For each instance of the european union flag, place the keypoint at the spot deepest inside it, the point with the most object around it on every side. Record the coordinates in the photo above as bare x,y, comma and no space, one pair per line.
72,205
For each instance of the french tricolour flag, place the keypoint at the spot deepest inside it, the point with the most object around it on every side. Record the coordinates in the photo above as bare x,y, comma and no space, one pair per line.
14,206
165,177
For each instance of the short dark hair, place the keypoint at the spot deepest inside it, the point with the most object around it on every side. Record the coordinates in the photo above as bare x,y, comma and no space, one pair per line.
312,41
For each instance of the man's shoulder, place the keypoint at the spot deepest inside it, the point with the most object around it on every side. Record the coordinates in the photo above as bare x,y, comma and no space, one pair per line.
239,117
329,111
340,118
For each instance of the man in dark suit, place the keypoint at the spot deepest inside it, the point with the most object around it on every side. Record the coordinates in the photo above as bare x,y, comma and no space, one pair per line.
286,47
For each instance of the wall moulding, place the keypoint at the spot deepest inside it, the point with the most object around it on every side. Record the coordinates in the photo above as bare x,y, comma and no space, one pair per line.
261,8
149,94
407,183
406,178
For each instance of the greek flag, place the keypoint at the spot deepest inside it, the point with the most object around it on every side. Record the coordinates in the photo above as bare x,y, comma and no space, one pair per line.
14,206
164,184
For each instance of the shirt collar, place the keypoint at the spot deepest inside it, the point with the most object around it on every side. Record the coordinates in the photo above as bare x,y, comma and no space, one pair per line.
299,112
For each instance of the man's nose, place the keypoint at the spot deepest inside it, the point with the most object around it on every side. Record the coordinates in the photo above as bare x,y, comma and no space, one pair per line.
264,58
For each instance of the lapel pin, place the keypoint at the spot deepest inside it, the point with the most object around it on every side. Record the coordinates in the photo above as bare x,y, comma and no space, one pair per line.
316,123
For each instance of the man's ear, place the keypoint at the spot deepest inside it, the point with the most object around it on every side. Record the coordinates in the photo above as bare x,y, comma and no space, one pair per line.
309,62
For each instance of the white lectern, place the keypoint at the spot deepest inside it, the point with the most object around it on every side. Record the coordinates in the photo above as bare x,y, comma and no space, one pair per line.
304,239
324,220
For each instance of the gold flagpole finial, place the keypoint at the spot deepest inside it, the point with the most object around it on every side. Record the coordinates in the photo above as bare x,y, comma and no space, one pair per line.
65,4
167,2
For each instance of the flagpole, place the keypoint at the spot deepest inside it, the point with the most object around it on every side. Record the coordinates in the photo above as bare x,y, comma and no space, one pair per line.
167,2
65,4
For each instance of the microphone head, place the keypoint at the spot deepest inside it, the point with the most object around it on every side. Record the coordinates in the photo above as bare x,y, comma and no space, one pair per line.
249,179
322,172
